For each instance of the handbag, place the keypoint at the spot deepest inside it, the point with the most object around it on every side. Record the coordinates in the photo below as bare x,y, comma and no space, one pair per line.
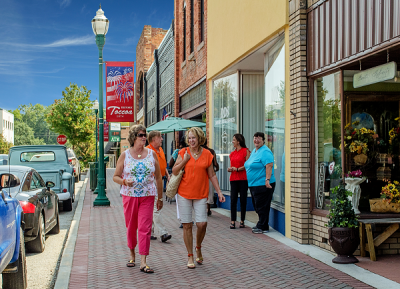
173,184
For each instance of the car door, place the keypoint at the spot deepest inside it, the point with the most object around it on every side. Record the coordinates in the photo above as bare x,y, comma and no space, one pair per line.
37,189
7,230
50,198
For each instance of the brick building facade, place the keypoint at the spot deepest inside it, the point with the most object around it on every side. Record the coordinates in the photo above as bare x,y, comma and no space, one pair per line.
191,87
149,40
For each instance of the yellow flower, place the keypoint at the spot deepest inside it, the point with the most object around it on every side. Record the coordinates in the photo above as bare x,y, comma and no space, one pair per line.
396,182
349,137
397,118
363,130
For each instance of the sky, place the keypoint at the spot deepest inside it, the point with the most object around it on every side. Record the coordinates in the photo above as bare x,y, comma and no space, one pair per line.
47,44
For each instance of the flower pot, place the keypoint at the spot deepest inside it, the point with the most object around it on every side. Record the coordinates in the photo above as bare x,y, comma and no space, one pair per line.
382,206
353,185
360,159
344,241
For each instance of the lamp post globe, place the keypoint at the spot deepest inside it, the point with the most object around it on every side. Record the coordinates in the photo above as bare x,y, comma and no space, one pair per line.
95,107
100,28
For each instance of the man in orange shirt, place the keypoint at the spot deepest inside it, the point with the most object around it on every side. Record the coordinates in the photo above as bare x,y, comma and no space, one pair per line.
155,140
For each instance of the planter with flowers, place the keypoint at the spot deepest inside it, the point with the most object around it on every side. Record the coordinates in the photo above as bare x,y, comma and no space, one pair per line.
357,142
353,180
343,226
389,201
394,139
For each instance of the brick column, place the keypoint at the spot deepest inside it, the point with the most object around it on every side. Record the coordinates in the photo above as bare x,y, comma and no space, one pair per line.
300,127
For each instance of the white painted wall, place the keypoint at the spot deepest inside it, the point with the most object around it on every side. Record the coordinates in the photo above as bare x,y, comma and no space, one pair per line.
7,125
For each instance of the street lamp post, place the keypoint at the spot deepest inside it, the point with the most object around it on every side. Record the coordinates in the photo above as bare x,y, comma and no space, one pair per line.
96,110
100,27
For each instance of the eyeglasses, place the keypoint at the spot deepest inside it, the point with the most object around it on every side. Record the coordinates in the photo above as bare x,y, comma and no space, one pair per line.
141,135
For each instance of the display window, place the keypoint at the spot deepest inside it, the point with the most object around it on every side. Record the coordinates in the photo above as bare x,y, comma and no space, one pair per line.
360,143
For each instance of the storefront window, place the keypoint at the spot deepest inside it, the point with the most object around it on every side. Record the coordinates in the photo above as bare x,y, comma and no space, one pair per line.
225,94
275,114
327,137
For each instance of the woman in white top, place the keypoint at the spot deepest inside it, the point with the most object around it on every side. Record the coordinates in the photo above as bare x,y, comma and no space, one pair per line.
137,168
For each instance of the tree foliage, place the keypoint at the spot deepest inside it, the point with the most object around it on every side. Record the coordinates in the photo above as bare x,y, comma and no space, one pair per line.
24,135
4,145
31,126
73,116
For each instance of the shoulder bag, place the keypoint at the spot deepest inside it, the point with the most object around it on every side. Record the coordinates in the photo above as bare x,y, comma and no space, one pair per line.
173,184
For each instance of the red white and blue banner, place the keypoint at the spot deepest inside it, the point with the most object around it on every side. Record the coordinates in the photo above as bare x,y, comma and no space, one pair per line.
119,91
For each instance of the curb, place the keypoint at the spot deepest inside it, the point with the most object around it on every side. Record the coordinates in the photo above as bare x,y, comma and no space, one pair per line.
325,257
64,271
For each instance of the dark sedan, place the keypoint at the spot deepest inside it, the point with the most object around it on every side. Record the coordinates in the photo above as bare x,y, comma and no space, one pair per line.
39,203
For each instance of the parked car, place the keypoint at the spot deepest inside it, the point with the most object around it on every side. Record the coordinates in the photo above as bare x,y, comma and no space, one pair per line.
51,162
39,203
3,159
12,245
75,162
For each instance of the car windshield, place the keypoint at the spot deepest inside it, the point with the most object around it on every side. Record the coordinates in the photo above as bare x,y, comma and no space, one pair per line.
37,157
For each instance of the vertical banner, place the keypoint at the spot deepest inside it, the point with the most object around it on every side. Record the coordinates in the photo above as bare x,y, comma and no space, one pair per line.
119,91
105,130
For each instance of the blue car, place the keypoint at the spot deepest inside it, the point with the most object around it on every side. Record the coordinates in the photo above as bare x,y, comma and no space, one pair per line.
12,245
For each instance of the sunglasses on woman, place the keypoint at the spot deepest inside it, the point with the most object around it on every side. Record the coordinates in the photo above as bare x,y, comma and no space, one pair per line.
141,135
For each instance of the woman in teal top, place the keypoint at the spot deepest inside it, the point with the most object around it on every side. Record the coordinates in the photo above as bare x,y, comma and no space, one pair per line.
261,180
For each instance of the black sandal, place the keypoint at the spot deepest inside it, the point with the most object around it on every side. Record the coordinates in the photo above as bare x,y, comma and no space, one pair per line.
146,269
242,225
232,226
131,263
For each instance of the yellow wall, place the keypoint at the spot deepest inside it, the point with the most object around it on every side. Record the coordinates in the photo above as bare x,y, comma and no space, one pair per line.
288,213
235,27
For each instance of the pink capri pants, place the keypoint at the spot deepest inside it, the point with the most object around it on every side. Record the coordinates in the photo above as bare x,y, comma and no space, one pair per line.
138,213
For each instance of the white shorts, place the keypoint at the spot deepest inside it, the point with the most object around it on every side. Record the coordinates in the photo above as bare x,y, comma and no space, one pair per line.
185,209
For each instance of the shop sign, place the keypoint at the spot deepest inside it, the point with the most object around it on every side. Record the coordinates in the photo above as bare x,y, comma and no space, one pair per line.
124,147
105,130
115,132
376,74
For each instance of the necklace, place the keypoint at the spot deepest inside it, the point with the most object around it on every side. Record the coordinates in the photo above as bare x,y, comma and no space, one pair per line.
195,153
138,154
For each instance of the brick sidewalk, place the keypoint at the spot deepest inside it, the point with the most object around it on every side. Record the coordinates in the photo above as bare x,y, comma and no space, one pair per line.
232,258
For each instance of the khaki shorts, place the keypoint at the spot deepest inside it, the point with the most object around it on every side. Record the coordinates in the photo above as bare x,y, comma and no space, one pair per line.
186,206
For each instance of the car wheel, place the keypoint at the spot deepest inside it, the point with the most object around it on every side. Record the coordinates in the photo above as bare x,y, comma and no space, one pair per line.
67,205
56,228
18,280
38,245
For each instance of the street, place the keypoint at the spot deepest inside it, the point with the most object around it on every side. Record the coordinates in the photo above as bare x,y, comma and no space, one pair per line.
42,267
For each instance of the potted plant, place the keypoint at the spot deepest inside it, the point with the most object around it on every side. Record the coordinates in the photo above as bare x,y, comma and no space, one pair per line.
343,226
353,180
389,201
357,142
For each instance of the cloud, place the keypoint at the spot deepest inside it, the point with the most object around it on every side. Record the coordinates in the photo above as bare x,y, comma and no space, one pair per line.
65,3
69,41
84,40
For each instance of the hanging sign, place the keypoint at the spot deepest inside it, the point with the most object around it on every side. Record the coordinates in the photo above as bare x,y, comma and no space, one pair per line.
375,74
119,91
115,132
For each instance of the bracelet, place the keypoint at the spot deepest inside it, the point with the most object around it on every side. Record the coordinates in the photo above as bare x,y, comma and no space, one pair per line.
123,182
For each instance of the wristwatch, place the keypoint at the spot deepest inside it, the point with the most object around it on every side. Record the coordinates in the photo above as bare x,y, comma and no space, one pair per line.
266,179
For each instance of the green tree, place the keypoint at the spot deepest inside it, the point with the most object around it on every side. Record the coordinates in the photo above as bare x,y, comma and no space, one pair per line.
73,116
4,145
34,117
24,135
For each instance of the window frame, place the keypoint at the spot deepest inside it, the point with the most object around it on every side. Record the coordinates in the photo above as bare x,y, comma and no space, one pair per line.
184,31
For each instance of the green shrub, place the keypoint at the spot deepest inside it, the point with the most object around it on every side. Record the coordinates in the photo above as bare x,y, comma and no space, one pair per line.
341,213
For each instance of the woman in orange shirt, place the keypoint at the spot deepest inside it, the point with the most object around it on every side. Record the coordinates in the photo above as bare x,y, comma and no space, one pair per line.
193,190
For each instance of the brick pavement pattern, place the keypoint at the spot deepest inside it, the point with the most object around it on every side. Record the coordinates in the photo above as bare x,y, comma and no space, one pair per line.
232,258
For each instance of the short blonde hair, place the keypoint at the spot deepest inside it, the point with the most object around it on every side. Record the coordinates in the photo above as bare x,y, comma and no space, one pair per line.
134,131
153,134
199,134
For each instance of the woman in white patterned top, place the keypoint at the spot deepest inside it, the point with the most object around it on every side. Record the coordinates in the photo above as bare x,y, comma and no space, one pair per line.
137,168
